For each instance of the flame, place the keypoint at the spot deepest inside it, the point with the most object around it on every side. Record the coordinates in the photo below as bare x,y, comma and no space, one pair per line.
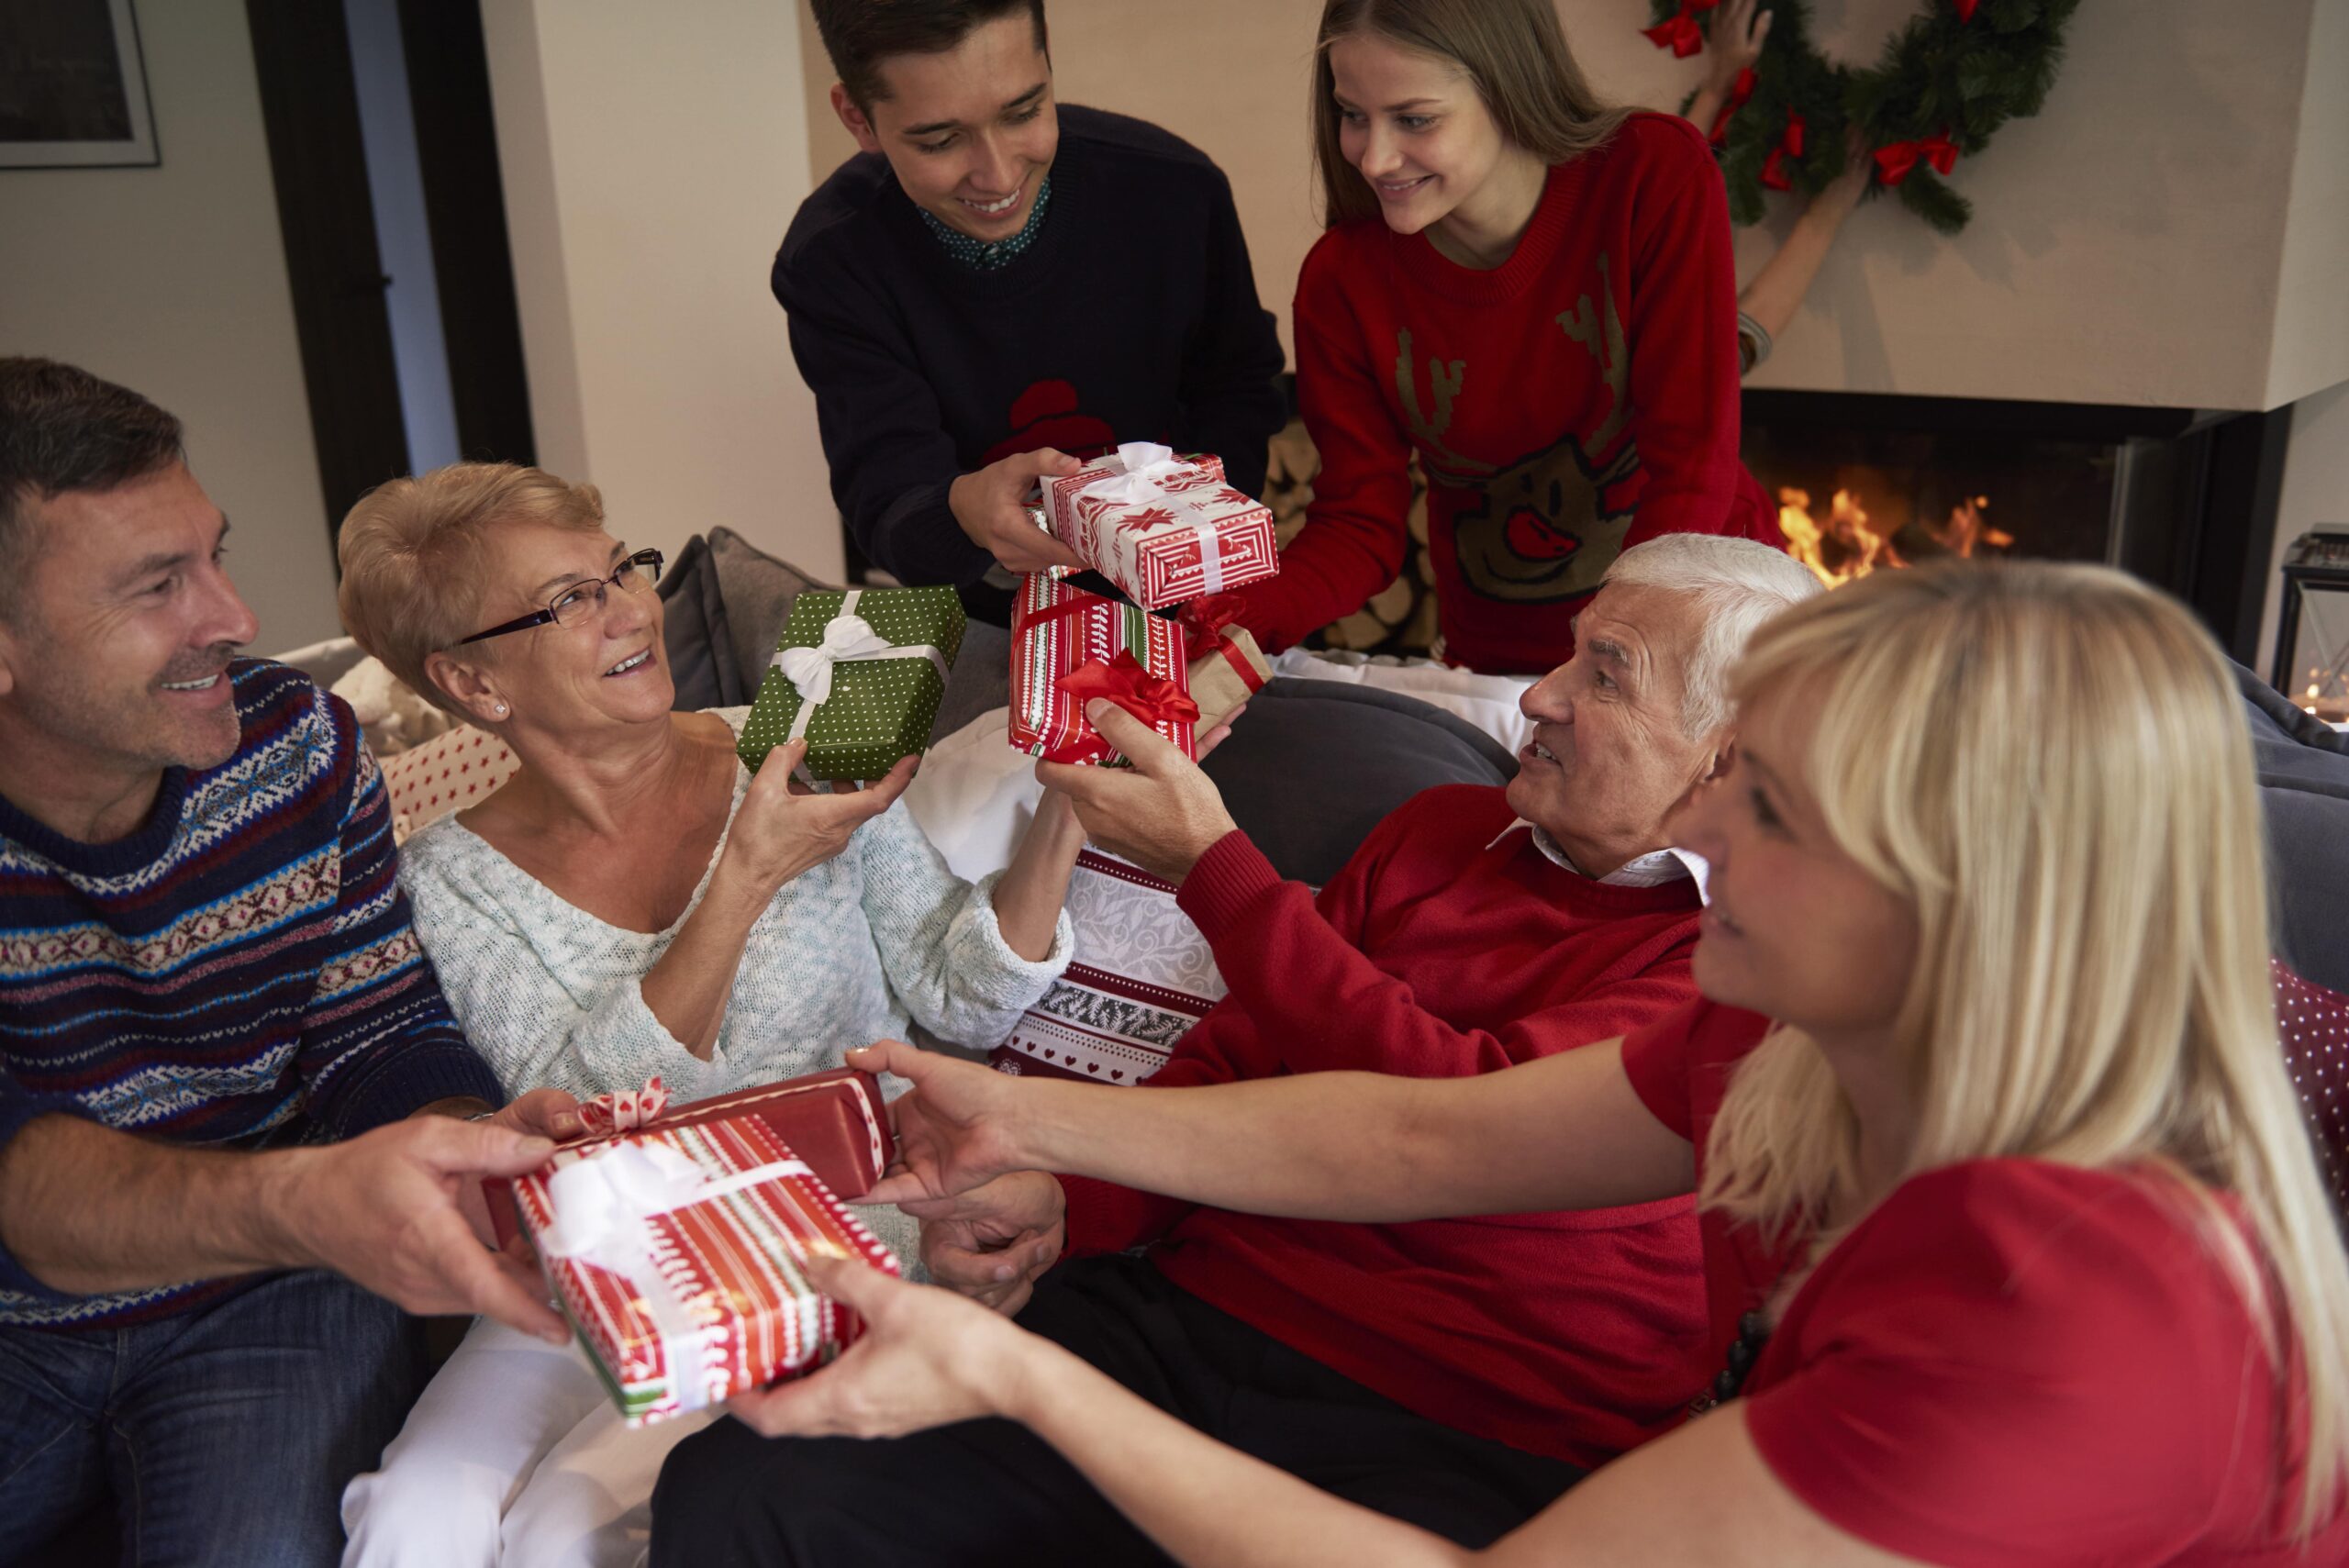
1847,545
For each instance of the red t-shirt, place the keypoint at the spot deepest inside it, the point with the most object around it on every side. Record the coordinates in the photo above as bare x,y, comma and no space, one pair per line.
2005,1363
1581,397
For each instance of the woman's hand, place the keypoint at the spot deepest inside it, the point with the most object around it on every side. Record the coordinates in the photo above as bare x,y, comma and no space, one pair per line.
957,1130
1735,44
785,828
927,1358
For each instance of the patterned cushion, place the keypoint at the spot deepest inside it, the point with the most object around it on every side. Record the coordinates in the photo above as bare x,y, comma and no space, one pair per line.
447,774
2314,1023
1142,976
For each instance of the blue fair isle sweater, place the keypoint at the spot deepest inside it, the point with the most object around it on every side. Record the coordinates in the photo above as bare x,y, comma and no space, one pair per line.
240,970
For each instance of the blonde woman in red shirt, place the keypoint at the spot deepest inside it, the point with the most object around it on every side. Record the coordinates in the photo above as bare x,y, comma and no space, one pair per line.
2016,1252
1531,293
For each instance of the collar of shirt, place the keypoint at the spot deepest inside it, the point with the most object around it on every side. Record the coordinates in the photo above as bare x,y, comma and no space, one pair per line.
983,256
1646,871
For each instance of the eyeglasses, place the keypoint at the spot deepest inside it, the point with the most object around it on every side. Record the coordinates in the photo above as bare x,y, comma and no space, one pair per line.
575,604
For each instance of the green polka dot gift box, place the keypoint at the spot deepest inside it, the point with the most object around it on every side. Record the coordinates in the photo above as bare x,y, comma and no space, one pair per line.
860,675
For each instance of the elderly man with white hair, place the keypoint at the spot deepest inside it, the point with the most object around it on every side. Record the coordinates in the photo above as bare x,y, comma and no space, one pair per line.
1459,1374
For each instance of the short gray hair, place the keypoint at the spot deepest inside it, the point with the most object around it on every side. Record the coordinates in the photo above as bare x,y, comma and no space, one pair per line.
1736,583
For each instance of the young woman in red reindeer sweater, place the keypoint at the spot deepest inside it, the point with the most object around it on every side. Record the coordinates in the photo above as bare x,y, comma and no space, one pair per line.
1534,295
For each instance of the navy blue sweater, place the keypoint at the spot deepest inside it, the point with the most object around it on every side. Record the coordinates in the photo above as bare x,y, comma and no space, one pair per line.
240,970
1132,316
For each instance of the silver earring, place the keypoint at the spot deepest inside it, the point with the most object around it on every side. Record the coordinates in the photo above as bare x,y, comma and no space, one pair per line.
501,710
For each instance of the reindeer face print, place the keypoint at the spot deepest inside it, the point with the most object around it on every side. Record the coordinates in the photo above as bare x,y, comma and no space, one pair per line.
1545,529
1548,525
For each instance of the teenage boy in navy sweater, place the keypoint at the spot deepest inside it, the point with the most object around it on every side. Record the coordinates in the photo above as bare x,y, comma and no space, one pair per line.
997,286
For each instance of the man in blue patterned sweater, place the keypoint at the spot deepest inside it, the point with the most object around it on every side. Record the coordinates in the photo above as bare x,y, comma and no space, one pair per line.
217,1033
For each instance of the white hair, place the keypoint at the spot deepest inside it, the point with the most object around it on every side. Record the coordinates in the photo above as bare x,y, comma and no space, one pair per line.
1736,585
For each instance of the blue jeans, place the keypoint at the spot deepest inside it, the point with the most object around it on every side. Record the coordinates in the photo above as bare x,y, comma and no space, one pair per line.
224,1435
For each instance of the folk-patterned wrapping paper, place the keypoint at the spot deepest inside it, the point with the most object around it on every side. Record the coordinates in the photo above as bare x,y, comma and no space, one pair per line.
861,674
687,1305
1141,977
1055,630
1163,528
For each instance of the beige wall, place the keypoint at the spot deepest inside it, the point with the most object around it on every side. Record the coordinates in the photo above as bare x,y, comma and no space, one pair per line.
2129,245
172,281
652,158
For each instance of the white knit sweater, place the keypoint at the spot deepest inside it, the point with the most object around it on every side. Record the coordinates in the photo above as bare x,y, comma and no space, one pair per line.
845,953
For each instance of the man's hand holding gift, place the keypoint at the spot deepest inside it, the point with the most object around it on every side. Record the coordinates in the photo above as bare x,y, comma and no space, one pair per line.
994,1243
992,506
1162,813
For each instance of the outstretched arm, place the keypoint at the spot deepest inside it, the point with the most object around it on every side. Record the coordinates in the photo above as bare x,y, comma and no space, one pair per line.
1701,1494
1567,1131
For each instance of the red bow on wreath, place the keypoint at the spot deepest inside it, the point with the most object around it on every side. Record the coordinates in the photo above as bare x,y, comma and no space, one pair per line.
1738,94
1965,8
1894,161
1774,168
1681,33
1153,699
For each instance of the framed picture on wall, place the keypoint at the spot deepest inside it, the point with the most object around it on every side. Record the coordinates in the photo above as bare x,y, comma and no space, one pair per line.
72,87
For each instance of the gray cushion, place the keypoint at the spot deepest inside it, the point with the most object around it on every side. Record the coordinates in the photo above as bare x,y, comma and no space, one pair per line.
693,629
1316,764
757,590
981,678
2303,768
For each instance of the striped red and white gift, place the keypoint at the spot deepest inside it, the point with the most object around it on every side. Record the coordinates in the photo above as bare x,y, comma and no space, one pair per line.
1165,529
713,1299
1056,629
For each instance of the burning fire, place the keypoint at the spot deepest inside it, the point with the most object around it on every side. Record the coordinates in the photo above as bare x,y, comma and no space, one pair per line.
1846,545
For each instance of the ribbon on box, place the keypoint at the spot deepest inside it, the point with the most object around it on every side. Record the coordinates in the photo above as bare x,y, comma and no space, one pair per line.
1153,699
604,1205
849,639
623,1110
1148,462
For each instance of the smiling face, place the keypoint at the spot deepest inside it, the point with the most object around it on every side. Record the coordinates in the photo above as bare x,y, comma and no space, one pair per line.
556,679
970,133
118,649
1795,927
1414,127
1609,757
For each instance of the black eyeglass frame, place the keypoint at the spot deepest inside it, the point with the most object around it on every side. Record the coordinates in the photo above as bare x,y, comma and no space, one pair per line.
649,560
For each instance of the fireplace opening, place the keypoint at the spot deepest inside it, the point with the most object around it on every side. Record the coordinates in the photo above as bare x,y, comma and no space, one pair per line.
2185,500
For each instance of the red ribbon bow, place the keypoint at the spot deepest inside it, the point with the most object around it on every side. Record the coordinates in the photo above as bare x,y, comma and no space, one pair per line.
1203,621
1774,168
1153,699
1680,33
1965,9
1742,90
1894,162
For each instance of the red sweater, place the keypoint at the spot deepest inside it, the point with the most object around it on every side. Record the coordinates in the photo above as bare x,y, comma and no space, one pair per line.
1573,1335
1581,397
2006,1364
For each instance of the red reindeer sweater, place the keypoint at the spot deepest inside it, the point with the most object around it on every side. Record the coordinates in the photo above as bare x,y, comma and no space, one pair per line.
1577,399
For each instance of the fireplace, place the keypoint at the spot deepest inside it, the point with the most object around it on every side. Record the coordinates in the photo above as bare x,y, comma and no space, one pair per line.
2185,500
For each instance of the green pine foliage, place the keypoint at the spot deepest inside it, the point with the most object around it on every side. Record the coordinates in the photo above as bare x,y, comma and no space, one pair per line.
1937,74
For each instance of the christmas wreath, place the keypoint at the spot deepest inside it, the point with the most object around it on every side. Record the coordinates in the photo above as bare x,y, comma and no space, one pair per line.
1948,79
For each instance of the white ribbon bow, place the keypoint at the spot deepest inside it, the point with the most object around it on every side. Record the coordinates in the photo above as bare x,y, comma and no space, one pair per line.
603,1203
1146,462
848,639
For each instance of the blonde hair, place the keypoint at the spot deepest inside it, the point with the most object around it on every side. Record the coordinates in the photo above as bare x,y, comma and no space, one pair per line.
2051,765
413,554
1513,50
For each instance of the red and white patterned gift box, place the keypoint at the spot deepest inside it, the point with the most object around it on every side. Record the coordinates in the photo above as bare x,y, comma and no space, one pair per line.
1068,647
680,1255
1163,528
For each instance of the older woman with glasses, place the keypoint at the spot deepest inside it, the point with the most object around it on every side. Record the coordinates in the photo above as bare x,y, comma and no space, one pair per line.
632,904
